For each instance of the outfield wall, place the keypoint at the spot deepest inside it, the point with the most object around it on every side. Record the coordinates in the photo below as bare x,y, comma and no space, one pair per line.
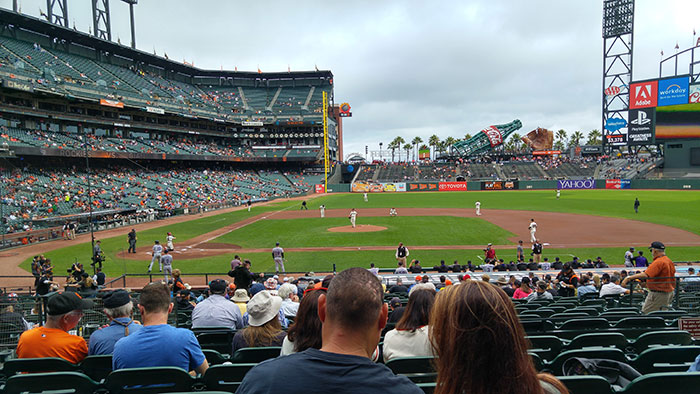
388,187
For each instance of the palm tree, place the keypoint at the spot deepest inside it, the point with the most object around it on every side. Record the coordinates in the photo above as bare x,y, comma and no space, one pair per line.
561,140
407,148
576,138
467,136
398,143
433,141
594,137
416,141
449,141
515,139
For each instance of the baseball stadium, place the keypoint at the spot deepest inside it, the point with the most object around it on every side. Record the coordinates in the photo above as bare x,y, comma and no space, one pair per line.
127,175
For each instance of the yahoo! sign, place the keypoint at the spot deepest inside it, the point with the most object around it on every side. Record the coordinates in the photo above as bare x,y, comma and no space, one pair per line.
576,184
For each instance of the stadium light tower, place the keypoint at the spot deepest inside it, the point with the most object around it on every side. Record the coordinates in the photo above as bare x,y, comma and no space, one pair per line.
60,17
102,25
132,3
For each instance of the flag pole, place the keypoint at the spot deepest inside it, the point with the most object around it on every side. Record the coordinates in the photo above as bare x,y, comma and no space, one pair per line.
325,140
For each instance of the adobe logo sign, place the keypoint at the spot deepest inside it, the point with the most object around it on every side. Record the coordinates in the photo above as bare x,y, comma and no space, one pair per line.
644,94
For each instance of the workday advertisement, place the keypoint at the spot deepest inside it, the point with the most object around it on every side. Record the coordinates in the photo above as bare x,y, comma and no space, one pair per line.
673,91
576,184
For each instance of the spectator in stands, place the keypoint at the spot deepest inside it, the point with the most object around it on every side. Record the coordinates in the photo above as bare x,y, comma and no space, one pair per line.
305,332
567,280
599,263
242,277
442,267
524,290
463,355
456,267
10,318
660,290
374,270
353,315
216,310
613,288
490,254
118,308
415,267
52,339
290,300
183,301
240,298
410,337
264,327
158,344
395,310
503,284
398,287
641,261
401,269
178,284
99,277
540,293
585,287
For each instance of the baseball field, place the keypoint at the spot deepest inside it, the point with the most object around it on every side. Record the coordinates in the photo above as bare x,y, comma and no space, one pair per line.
433,225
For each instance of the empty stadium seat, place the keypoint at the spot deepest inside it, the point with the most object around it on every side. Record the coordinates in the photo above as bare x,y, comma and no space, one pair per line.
151,380
545,346
226,377
586,384
596,339
655,338
418,369
46,364
255,354
664,382
595,323
214,357
641,322
66,382
666,359
96,367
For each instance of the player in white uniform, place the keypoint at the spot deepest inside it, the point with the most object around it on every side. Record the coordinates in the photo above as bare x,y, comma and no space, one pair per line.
169,241
323,211
157,252
166,261
353,217
278,257
392,212
478,208
366,197
558,193
533,229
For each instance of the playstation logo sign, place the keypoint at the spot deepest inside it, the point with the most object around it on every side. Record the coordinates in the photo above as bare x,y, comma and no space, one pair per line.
642,119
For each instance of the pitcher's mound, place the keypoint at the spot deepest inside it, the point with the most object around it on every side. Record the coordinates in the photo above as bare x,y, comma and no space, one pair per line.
362,228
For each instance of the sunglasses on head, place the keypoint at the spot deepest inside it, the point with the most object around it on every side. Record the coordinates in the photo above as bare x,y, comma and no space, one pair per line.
316,288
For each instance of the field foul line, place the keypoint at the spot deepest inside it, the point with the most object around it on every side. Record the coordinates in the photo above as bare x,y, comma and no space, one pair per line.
239,226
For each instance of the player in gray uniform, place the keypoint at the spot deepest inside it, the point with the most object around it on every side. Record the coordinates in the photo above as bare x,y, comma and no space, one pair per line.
166,261
157,252
278,256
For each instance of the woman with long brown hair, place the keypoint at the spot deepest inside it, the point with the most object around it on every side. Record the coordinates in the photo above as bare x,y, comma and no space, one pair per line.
475,329
264,327
305,332
410,337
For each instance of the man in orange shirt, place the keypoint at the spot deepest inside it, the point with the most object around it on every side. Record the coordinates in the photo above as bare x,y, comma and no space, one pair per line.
660,290
53,339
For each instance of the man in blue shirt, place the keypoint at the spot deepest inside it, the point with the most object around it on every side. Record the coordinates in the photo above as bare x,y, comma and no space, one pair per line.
353,314
158,344
118,307
641,261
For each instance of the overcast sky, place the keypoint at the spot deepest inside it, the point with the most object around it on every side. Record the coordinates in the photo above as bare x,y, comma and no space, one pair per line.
414,68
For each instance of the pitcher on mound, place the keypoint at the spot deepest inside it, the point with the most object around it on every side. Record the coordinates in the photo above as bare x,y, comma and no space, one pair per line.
353,217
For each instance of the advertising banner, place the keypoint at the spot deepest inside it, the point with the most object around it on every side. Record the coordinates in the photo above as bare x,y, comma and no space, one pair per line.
394,187
546,152
7,83
694,94
155,110
644,94
673,91
615,124
618,183
494,135
642,126
576,184
690,324
499,185
452,186
423,187
111,103
320,188
424,154
616,139
366,187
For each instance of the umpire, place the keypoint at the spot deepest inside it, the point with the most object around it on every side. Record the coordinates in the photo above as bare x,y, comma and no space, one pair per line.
132,241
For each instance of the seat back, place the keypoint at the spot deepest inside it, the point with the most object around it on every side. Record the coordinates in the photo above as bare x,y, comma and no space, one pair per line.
666,359
255,354
664,382
599,339
594,323
148,380
214,357
46,364
97,367
418,369
66,381
586,384
608,353
669,315
428,388
648,339
545,346
226,377
641,322
219,340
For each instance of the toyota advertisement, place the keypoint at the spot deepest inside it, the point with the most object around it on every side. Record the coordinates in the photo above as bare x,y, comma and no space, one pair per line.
452,186
576,184
618,183
642,126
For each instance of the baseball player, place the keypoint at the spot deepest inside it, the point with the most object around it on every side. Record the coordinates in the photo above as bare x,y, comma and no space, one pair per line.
392,212
169,241
323,211
365,195
533,229
478,208
157,252
629,258
249,204
166,261
278,257
353,217
558,193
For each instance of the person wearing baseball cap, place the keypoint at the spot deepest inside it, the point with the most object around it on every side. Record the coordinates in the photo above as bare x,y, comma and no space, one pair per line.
52,339
660,277
216,310
118,308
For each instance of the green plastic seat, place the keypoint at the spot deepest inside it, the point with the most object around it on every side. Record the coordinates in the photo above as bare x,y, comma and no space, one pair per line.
545,346
428,388
255,354
537,361
97,367
599,339
593,312
46,364
654,338
418,369
534,327
148,380
669,315
214,357
599,302
591,323
215,338
666,359
555,366
226,377
586,384
665,382
641,322
67,381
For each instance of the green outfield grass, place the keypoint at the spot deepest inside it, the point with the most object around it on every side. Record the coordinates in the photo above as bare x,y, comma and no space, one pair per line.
422,230
674,208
